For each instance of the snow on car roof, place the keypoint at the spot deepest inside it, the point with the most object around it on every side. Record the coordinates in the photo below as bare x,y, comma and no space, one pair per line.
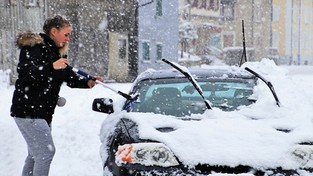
212,71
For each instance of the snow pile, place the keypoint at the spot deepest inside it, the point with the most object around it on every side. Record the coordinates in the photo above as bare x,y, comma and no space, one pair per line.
75,129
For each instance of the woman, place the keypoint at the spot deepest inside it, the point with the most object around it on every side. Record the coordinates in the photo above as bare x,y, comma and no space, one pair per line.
42,69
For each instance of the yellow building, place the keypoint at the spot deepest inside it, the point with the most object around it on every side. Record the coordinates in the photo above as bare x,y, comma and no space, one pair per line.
256,16
292,27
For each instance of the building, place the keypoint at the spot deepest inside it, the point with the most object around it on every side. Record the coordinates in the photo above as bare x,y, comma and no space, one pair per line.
249,22
204,17
292,31
120,39
219,27
158,22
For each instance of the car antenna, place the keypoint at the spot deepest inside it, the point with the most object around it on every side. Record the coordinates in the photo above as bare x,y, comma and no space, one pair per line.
244,52
190,78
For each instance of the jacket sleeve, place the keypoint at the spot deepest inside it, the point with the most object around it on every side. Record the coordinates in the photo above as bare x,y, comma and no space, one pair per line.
31,66
75,81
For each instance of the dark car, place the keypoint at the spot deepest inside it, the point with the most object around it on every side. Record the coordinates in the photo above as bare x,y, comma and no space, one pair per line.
167,127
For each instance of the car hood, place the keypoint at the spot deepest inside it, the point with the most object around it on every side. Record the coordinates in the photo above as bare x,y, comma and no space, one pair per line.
229,139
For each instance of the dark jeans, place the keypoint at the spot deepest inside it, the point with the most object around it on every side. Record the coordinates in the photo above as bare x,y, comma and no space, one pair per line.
41,149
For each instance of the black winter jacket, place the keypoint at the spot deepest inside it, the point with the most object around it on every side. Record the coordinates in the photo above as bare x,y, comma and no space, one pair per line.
38,85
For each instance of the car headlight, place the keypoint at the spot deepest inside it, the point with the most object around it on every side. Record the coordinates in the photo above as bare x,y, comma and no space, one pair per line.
148,154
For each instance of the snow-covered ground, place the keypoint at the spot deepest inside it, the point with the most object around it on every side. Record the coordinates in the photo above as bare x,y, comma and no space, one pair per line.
75,130
76,127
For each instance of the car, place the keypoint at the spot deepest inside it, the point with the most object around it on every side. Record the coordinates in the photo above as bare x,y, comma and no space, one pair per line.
173,118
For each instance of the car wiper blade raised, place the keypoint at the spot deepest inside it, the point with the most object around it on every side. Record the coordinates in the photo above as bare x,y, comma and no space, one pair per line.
268,83
186,73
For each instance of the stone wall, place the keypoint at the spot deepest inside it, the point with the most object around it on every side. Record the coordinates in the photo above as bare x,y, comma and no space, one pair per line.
17,16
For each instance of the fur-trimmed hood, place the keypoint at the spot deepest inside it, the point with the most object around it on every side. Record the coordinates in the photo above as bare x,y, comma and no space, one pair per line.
31,39
28,39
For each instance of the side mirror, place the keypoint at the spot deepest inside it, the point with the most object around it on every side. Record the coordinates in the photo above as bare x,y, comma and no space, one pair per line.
104,105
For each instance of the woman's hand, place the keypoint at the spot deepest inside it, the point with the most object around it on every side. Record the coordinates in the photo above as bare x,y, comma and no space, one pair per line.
60,64
92,83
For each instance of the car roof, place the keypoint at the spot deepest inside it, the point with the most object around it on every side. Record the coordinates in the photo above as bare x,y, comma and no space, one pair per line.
224,72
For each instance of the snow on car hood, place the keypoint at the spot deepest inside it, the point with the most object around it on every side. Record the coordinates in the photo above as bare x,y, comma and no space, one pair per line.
261,135
224,138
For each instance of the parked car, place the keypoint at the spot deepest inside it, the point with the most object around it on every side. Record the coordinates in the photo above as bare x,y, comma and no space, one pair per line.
171,124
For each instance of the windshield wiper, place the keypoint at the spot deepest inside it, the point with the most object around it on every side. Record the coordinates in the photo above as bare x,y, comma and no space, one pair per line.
268,83
186,73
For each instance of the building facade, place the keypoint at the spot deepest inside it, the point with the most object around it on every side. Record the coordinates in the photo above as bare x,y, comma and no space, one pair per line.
292,31
157,34
120,39
249,22
219,24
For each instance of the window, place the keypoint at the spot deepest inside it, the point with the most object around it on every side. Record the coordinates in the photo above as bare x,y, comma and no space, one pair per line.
146,51
6,3
275,39
228,40
307,15
258,13
32,2
164,96
203,4
227,11
122,49
13,2
195,3
159,11
275,17
213,5
159,54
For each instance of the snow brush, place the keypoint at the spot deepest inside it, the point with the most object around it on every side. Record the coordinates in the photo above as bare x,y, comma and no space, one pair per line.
89,77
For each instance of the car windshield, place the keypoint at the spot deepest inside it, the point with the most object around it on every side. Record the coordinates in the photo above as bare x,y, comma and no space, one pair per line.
177,96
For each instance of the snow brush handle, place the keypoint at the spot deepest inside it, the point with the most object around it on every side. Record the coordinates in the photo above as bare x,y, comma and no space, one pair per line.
89,77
